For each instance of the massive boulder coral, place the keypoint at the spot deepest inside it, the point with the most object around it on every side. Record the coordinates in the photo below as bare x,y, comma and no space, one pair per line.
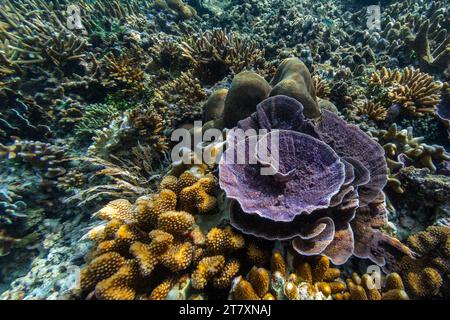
316,195
246,91
292,79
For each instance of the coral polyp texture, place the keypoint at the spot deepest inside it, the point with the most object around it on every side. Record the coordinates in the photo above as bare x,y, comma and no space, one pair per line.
414,91
213,150
142,241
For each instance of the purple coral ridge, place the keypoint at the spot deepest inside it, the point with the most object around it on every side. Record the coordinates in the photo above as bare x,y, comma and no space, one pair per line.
327,171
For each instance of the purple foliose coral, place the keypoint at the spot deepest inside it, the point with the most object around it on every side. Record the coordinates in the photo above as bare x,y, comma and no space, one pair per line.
322,193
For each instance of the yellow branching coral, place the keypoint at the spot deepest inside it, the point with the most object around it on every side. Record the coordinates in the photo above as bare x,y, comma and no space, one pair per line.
414,91
278,264
160,238
225,277
318,275
374,111
244,291
222,240
104,231
206,269
428,274
260,280
163,289
186,179
178,257
149,255
99,269
320,268
170,182
151,209
123,238
120,286
321,86
365,288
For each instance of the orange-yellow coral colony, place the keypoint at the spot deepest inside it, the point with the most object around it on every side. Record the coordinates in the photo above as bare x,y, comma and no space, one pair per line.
153,249
140,242
414,91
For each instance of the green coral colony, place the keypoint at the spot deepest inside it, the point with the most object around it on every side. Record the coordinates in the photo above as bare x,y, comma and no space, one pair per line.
91,92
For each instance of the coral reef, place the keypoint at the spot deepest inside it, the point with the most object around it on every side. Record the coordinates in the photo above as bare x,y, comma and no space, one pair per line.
93,94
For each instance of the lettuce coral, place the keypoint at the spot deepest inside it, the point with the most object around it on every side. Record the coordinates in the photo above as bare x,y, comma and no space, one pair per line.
320,213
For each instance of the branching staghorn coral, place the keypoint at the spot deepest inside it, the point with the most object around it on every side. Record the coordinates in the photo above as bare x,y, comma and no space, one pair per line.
125,72
179,100
414,91
28,27
166,52
216,54
403,149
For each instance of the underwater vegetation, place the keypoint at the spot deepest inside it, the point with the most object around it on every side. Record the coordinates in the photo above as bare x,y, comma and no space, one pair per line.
93,92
